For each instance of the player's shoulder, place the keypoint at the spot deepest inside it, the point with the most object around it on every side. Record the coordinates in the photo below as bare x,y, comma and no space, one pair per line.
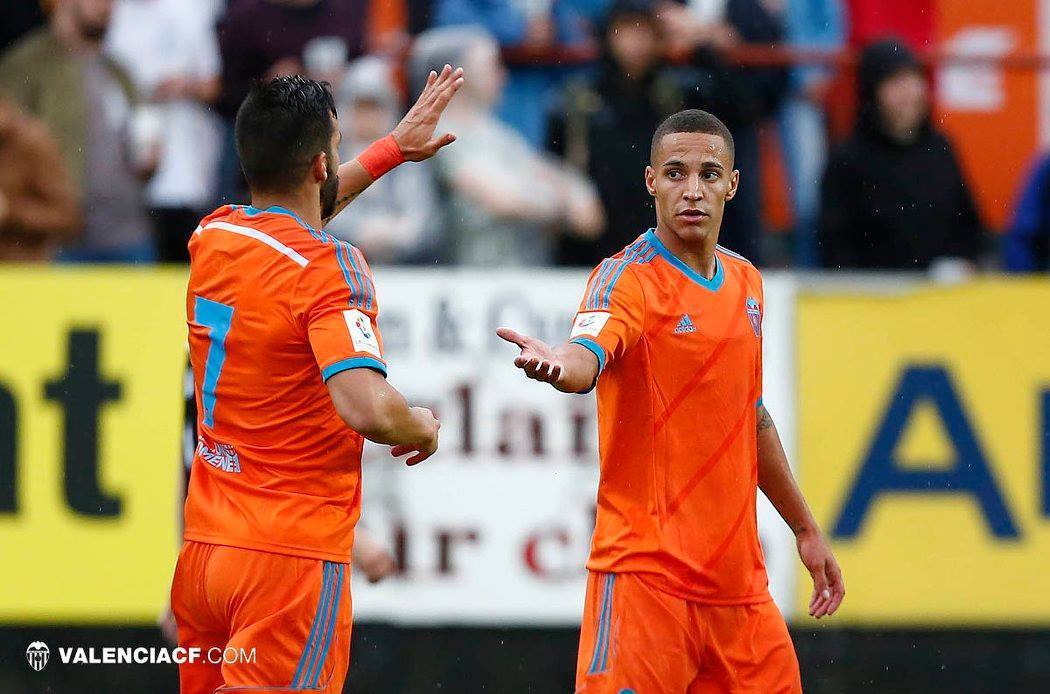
618,271
734,262
286,232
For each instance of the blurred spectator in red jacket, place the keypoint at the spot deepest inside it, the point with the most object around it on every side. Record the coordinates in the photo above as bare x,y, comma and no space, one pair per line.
38,203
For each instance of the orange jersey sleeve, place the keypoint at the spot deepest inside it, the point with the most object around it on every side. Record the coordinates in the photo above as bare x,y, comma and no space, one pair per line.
611,316
335,302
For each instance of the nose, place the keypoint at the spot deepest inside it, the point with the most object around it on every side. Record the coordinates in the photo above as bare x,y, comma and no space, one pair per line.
693,190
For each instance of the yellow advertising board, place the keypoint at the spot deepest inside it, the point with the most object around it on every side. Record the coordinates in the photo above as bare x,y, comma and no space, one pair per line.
90,415
924,420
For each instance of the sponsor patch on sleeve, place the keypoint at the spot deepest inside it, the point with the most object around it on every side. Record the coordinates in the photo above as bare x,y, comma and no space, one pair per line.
361,332
589,323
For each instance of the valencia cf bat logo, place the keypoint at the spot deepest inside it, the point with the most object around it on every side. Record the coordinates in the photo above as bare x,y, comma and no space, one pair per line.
754,314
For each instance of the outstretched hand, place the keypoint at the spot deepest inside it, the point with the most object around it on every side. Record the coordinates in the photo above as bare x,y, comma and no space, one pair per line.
828,586
537,358
415,133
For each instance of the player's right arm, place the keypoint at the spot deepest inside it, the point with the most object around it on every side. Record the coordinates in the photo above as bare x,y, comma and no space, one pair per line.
411,140
334,302
608,323
571,368
369,405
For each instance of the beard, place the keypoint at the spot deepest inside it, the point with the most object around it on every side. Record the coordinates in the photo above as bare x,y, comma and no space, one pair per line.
329,192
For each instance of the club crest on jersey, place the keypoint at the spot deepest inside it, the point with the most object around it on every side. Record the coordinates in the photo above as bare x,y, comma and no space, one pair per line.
754,314
685,326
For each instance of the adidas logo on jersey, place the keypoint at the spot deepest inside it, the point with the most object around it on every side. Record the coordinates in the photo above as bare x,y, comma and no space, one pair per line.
685,325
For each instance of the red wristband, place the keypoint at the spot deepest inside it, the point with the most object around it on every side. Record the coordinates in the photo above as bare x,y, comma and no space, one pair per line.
381,156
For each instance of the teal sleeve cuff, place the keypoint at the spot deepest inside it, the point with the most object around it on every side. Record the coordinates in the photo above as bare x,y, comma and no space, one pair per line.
597,349
353,363
758,404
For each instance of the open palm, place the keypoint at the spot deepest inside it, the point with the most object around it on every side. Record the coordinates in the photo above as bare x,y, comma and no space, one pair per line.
537,359
415,133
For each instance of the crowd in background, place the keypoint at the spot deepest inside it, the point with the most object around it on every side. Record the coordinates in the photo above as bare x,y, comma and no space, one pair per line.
116,121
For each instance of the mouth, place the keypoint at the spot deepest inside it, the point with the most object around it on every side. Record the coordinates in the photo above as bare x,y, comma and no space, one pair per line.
692,216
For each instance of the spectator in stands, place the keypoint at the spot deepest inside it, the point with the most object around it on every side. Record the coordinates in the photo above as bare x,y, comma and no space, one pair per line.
38,204
894,196
811,25
265,38
169,48
1026,244
706,30
538,26
506,200
396,219
59,74
606,122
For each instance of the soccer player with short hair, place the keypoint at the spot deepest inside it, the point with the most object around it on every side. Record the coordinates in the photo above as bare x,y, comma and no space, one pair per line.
289,378
670,331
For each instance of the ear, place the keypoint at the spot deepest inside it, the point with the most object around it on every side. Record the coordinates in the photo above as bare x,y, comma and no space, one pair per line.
650,180
734,181
319,167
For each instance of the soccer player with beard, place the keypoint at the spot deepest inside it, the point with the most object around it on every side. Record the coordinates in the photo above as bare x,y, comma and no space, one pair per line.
670,330
289,378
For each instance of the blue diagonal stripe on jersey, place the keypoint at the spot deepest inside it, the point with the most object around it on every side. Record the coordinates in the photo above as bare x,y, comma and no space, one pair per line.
346,273
628,258
312,681
365,297
365,273
597,281
322,602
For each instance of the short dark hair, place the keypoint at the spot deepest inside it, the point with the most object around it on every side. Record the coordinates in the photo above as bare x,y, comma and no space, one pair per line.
281,126
693,121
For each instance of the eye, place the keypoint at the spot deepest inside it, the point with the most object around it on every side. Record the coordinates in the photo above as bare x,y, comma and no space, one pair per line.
711,175
674,174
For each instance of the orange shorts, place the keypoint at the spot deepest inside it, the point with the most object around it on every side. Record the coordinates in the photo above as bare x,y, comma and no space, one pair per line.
293,611
638,640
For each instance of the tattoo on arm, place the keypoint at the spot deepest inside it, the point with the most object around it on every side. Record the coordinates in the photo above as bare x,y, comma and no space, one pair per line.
764,420
339,205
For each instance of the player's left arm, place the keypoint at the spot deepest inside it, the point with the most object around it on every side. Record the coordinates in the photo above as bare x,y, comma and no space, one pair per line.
778,484
412,140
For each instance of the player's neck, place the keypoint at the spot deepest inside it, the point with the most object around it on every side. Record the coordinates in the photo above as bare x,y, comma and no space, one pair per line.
307,207
698,256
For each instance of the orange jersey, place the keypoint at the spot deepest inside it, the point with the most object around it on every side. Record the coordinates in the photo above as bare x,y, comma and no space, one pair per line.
274,309
680,382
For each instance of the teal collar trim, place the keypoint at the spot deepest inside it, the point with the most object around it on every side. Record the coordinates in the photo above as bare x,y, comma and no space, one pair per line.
251,211
713,284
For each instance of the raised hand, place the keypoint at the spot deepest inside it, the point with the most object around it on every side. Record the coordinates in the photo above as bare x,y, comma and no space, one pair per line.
415,133
537,359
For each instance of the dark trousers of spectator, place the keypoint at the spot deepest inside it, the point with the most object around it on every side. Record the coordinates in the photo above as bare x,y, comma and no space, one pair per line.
172,228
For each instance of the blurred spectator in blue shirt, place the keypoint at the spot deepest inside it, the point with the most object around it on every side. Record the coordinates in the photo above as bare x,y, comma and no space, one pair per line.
396,219
811,25
1026,246
528,91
